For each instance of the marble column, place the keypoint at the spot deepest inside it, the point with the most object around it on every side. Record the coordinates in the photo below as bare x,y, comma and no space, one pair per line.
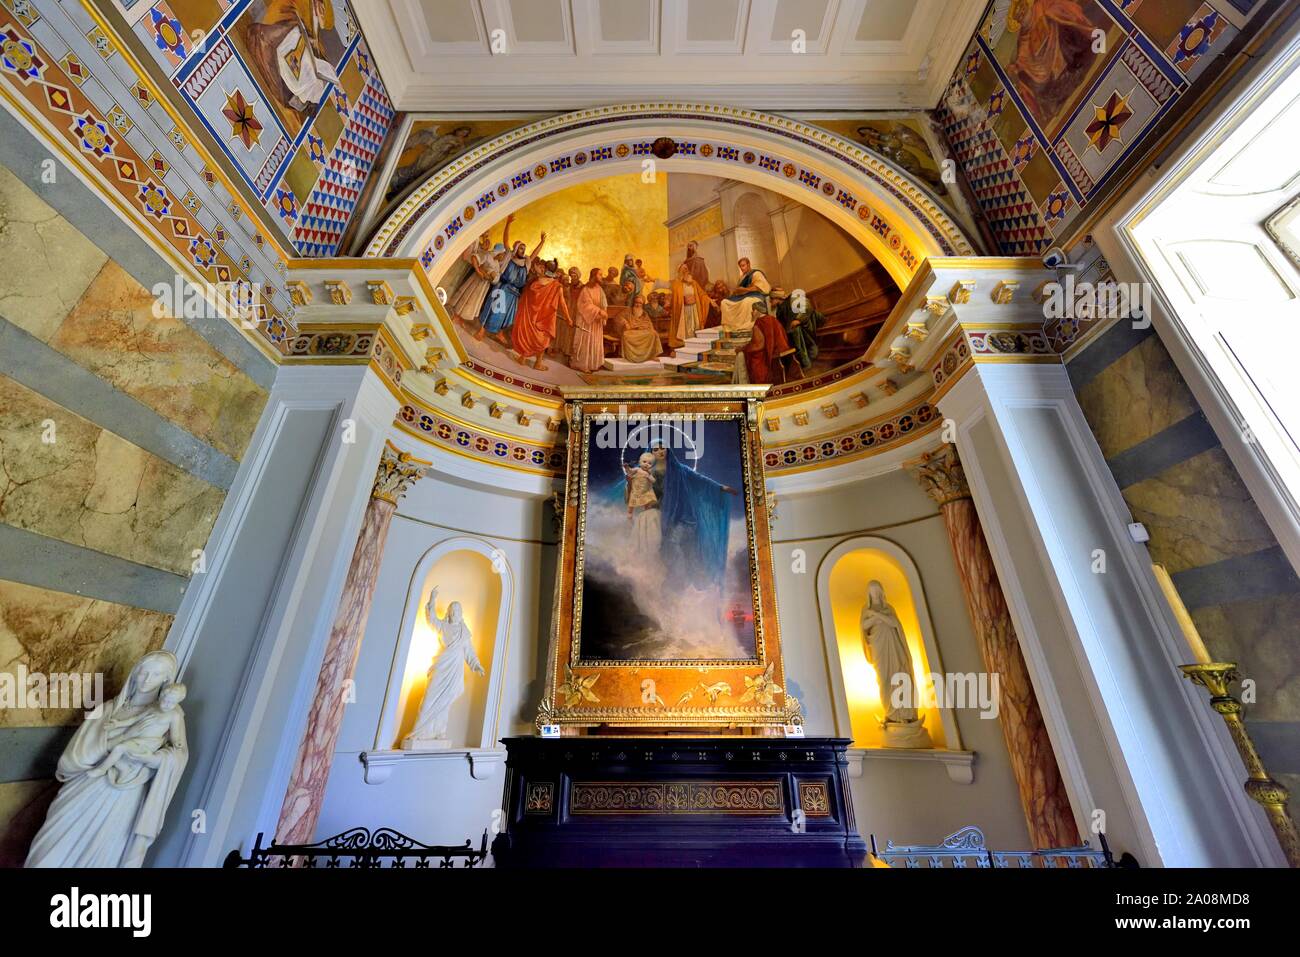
306,790
1042,791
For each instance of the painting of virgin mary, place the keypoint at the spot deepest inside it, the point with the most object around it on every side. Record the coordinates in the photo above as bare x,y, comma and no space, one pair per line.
667,560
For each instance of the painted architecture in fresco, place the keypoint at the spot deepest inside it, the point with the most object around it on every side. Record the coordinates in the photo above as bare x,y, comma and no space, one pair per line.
690,279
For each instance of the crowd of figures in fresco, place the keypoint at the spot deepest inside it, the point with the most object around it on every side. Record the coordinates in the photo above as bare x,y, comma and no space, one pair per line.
538,309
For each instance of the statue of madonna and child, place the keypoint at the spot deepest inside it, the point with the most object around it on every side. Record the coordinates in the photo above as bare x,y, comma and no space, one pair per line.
118,774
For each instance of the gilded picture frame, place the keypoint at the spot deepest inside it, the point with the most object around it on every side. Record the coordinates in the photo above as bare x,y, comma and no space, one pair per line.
587,687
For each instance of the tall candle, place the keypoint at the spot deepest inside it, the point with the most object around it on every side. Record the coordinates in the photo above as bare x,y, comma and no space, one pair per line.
1200,653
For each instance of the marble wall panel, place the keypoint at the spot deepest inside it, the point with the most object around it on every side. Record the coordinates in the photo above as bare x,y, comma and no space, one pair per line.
45,263
54,632
91,487
1138,395
113,332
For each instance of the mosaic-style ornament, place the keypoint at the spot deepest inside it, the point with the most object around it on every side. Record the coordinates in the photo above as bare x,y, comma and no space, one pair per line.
1195,38
285,204
168,35
204,253
18,56
155,200
244,124
94,136
1109,120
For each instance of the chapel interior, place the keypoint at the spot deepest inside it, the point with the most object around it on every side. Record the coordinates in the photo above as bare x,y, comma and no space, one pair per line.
650,432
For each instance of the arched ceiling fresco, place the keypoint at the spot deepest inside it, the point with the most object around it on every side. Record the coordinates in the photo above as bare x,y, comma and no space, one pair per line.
633,279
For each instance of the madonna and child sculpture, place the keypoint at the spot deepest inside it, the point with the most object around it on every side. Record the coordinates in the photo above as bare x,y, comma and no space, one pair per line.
118,774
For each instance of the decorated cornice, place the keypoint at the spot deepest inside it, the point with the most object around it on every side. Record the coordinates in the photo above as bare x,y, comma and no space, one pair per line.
948,319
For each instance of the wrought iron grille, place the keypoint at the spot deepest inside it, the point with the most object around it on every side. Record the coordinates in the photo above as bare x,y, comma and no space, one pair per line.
359,847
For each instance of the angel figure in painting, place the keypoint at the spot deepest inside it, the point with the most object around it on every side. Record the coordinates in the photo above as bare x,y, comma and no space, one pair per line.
886,649
446,678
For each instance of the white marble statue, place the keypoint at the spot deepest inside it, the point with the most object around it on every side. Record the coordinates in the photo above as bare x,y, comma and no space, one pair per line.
446,678
118,774
886,648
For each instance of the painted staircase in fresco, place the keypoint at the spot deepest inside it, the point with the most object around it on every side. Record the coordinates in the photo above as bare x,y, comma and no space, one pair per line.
708,352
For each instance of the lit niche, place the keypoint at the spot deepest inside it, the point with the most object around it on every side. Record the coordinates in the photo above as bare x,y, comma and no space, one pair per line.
478,580
844,580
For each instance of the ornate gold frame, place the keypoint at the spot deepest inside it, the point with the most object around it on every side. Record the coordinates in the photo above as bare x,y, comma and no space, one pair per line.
689,694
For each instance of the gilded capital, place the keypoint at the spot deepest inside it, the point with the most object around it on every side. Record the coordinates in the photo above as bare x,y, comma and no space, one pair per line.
397,472
941,475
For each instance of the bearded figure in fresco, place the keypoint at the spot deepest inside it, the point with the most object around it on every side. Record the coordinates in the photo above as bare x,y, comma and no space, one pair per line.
1054,47
436,150
287,45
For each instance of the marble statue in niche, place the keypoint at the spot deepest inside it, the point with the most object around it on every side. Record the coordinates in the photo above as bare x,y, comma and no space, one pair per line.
118,774
886,649
446,678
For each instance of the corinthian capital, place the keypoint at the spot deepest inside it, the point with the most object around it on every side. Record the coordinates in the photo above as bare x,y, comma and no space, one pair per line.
941,475
397,472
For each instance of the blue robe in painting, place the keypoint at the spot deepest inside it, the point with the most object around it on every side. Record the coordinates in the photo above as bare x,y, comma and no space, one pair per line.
505,294
746,281
696,515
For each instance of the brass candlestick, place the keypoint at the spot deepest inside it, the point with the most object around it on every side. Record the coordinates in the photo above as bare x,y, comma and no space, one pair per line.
1215,677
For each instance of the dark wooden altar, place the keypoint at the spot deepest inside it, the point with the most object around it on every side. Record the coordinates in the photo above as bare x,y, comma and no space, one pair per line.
677,802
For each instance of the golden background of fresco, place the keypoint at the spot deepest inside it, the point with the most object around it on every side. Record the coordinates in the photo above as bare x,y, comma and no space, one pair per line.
597,223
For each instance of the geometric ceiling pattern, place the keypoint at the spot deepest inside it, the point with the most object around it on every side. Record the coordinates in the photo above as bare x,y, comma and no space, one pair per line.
292,100
1038,140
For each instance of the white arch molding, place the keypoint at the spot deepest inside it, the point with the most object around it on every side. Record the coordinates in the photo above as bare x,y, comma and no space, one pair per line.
899,205
481,755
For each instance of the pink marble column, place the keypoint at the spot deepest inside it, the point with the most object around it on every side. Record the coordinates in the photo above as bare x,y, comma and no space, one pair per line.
1042,792
306,790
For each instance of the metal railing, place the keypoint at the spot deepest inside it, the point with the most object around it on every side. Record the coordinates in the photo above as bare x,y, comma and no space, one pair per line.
359,847
966,848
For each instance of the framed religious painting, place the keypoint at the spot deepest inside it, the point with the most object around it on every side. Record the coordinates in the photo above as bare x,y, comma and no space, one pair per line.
665,610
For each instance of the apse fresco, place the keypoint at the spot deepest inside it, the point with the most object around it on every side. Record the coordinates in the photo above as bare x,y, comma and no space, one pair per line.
685,279
666,555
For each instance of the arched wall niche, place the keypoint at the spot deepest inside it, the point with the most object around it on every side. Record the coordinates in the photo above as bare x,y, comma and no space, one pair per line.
474,573
890,214
842,579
